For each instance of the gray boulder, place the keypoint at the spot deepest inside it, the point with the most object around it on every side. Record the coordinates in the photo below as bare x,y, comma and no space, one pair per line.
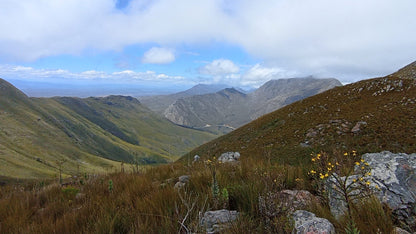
273,204
393,181
395,175
218,220
307,222
229,157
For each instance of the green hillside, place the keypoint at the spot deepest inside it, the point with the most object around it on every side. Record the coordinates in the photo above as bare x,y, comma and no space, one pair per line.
386,108
88,134
275,156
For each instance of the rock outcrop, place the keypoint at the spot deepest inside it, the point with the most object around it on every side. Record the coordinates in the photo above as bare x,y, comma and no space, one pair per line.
395,175
307,222
393,181
229,157
218,220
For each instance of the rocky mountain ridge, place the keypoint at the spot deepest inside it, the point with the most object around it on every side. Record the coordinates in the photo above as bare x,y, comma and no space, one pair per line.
232,108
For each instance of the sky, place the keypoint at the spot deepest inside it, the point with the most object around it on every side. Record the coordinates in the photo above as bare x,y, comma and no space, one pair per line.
180,43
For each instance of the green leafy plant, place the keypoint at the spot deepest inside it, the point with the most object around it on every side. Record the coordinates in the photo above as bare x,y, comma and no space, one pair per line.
110,185
70,192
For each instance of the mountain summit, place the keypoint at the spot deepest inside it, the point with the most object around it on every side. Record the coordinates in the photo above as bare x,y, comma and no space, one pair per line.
231,108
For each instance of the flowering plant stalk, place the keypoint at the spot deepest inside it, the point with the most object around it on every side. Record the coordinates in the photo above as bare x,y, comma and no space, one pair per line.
337,173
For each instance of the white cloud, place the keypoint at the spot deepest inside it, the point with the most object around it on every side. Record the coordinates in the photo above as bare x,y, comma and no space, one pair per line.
158,55
29,73
259,74
324,37
219,67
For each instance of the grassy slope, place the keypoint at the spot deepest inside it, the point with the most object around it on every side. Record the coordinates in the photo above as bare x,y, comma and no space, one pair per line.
35,133
148,203
390,118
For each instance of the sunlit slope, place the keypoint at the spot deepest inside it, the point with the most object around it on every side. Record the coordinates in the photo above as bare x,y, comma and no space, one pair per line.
384,108
85,133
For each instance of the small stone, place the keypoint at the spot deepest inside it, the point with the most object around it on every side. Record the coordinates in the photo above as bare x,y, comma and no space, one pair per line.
218,220
229,157
179,185
184,179
307,222
196,158
357,127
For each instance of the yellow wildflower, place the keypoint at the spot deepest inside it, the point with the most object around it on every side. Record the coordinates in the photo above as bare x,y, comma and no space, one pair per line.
313,172
367,183
366,163
361,179
345,154
321,176
354,180
313,159
362,160
326,175
362,168
357,163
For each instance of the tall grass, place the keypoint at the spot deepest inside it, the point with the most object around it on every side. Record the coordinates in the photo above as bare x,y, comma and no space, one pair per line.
147,202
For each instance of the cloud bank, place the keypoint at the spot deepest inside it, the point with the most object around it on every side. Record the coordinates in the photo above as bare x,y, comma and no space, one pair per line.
322,37
30,73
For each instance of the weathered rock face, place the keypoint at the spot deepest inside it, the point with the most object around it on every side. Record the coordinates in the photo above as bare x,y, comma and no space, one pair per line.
307,222
229,157
218,220
284,202
394,176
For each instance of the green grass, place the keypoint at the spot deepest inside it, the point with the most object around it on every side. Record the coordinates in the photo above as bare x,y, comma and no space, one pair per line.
92,134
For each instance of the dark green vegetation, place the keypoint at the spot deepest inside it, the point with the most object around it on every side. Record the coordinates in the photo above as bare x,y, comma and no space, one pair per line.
272,159
37,134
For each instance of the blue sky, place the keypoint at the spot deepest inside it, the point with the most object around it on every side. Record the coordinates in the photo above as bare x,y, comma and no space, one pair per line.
184,42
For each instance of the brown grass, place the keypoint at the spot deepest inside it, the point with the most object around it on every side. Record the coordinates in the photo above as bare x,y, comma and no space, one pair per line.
148,203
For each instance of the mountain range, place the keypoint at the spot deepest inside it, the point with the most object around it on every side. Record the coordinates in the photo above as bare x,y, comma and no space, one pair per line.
91,134
229,108
367,116
159,103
